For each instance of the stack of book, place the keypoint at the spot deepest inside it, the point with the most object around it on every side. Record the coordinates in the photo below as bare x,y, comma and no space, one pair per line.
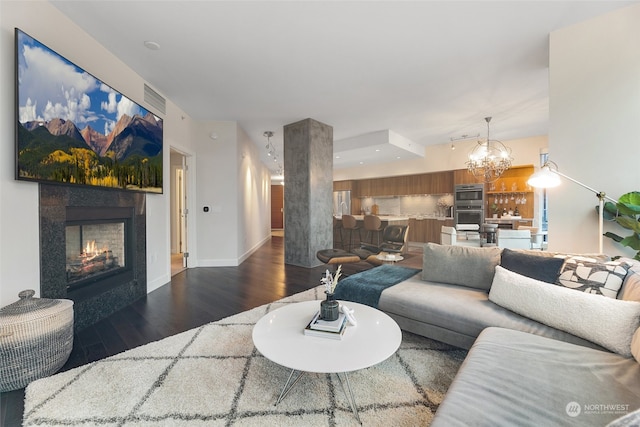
326,329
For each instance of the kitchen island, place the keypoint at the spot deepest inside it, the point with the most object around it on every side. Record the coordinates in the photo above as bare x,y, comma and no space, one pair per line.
509,221
385,219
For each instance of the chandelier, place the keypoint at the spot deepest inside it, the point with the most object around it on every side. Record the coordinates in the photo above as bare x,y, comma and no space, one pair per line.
489,159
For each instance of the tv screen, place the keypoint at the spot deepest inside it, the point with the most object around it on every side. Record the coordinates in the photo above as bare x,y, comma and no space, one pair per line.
74,129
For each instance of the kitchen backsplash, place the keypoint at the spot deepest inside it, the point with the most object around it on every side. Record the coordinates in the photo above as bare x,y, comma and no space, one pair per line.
424,205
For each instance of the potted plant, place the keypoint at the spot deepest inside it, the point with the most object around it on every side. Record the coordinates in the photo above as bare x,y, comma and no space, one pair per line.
494,210
626,213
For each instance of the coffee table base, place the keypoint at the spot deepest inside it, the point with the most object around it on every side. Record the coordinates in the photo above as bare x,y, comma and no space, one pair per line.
348,393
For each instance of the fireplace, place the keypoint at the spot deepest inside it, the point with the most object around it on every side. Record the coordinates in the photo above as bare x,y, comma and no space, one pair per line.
97,242
92,249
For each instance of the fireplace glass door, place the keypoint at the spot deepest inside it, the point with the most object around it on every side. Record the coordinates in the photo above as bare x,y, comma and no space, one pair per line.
94,250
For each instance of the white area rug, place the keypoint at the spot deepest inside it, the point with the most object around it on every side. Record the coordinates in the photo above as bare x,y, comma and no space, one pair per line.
213,376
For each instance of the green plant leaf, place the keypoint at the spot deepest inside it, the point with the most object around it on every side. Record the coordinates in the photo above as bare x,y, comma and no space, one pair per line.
631,198
629,222
610,211
631,241
626,213
613,236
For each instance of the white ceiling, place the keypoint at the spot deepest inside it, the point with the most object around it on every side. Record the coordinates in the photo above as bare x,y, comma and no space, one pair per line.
425,70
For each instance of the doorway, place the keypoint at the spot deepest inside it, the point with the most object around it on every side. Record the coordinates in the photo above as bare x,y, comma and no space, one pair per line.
179,212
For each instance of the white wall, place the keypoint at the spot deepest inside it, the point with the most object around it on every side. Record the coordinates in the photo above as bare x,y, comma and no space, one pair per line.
223,238
237,193
525,151
19,239
594,124
254,205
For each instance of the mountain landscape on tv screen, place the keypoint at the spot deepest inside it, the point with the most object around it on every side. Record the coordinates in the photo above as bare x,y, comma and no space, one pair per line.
129,157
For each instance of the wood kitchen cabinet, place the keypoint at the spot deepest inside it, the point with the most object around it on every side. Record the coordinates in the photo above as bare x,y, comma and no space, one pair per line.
433,228
440,183
406,185
462,176
427,230
343,185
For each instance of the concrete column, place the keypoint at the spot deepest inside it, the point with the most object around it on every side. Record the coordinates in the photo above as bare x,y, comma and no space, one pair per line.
308,190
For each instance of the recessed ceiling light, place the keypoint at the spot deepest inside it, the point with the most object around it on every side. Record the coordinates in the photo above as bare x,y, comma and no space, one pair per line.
337,157
377,150
152,45
362,163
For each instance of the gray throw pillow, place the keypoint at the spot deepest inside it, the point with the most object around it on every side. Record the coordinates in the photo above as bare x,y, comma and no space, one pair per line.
460,265
545,269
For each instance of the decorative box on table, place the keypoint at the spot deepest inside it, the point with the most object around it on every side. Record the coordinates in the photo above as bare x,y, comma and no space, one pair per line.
36,338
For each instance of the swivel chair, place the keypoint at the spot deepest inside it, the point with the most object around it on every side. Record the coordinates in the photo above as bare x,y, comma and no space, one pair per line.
394,239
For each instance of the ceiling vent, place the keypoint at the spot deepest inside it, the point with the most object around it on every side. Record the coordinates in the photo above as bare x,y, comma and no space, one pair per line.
154,99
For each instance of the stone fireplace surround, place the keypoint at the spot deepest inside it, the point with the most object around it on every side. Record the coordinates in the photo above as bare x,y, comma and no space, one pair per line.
92,302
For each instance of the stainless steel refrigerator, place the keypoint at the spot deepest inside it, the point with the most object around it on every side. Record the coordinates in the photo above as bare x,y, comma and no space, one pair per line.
341,203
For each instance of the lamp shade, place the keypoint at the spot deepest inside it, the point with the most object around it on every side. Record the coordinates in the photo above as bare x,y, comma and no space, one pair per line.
544,178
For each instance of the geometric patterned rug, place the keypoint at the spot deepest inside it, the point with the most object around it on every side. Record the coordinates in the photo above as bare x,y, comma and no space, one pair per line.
214,376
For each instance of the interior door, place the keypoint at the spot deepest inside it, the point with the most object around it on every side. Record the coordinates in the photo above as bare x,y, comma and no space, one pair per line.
277,207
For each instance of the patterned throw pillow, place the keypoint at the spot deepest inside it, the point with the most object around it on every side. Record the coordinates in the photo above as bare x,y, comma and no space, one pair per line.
592,277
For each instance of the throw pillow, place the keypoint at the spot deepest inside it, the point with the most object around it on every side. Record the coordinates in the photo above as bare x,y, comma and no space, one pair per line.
460,265
592,277
545,269
608,322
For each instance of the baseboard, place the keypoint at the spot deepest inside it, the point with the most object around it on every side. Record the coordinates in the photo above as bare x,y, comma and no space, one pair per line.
232,262
157,283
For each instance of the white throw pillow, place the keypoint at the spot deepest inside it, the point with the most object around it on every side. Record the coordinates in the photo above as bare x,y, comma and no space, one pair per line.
608,322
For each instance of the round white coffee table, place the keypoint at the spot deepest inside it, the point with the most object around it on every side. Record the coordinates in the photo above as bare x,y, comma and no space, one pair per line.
388,258
280,338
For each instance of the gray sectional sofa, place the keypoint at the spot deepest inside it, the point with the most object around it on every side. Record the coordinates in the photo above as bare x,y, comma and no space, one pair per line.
566,359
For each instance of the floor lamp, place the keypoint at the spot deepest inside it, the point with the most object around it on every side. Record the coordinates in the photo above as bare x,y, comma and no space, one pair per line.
549,176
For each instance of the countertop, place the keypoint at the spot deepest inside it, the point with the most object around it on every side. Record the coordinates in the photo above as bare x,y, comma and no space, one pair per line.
506,219
402,217
382,217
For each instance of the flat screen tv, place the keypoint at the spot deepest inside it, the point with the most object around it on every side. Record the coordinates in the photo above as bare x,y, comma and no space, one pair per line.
72,128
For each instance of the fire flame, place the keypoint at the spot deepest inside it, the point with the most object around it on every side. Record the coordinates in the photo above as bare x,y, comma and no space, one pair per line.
91,248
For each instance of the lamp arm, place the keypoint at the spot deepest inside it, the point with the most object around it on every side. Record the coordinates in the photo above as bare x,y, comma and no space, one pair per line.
601,195
601,199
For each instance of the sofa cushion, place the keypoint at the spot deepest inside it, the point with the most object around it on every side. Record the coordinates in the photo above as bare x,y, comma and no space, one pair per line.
605,321
601,278
511,378
635,345
457,313
630,290
629,420
545,269
460,265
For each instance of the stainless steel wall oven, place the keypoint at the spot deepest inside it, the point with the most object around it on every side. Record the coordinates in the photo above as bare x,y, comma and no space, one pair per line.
469,204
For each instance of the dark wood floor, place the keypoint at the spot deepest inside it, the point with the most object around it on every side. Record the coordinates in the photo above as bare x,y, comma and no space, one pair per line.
194,297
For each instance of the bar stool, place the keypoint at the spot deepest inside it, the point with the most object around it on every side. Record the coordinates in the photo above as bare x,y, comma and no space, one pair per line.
350,224
372,224
337,232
